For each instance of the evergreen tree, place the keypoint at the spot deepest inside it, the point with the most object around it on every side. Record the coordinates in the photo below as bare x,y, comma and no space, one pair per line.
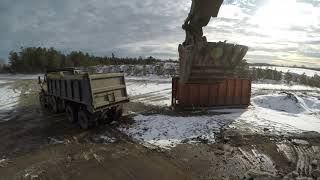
288,77
303,79
13,60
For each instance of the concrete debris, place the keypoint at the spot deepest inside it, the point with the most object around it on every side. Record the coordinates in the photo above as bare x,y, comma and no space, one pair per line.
4,163
55,141
261,175
314,164
316,174
107,139
98,158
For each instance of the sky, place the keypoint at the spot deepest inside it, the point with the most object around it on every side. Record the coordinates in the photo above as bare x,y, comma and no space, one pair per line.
277,31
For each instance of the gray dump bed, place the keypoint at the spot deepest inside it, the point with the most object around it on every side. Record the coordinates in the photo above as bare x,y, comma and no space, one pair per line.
96,91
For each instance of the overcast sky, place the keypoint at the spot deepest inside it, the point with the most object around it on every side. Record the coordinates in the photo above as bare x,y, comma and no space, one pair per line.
277,31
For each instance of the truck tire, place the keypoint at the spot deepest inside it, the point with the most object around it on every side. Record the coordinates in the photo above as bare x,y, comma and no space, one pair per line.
113,114
71,114
54,105
42,101
117,113
83,119
61,106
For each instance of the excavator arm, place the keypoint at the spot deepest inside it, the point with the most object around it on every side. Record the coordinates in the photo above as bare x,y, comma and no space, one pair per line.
204,8
200,14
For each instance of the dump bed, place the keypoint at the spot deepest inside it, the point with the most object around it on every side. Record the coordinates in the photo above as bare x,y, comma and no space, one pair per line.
95,91
107,89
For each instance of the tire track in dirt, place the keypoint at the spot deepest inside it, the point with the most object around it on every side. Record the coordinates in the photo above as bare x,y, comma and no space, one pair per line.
305,156
154,97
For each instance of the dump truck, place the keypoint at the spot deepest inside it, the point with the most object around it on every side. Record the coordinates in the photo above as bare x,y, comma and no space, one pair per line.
87,98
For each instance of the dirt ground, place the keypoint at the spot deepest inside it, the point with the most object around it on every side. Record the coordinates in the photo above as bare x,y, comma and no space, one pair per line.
36,144
41,145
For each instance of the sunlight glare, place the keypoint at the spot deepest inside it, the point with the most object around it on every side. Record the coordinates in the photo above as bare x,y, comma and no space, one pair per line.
277,14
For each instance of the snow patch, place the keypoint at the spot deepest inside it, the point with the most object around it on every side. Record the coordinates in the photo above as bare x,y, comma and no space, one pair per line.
299,71
19,76
282,87
168,131
281,114
154,92
282,102
107,139
8,97
5,82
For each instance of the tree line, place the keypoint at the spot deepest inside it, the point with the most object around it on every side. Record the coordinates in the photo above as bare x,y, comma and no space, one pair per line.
38,59
271,74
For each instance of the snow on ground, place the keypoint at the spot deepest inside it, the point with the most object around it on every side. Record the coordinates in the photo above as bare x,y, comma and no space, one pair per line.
299,71
150,78
8,97
271,112
167,131
3,81
282,87
281,114
153,91
19,76
8,100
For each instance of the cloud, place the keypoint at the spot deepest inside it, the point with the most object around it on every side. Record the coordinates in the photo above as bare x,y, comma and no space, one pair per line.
152,27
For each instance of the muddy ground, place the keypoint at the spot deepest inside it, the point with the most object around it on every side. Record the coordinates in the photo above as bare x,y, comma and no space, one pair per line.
36,144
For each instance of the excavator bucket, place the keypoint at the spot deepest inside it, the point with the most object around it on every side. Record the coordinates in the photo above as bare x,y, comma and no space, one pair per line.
209,62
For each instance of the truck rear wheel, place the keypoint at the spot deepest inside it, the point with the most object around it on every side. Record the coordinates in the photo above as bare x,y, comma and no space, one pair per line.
112,114
71,114
83,119
117,113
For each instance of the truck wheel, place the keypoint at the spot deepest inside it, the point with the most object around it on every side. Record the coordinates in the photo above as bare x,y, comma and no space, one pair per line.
61,106
83,120
113,114
71,114
54,105
42,101
117,114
